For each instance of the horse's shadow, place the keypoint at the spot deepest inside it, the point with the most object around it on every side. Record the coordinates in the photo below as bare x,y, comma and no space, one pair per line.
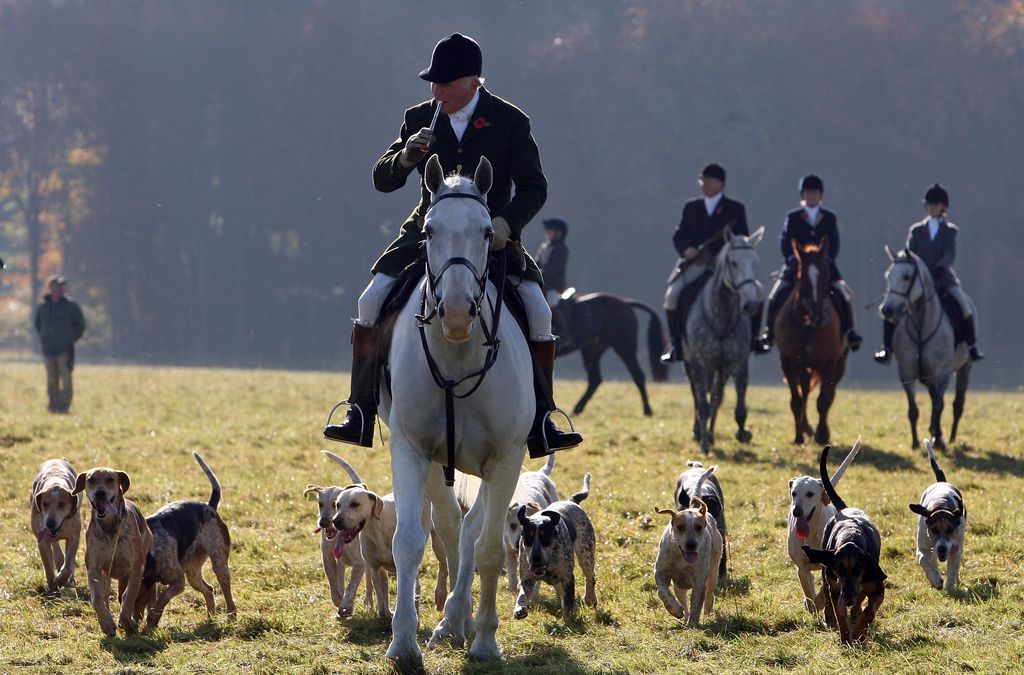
541,657
735,625
990,461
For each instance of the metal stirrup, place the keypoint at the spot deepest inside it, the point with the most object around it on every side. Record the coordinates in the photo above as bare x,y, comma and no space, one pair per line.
362,417
547,416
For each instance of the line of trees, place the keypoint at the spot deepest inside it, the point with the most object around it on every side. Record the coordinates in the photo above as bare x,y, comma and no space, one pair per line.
200,170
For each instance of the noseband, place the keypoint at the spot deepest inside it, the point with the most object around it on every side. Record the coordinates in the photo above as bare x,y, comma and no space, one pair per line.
730,283
913,279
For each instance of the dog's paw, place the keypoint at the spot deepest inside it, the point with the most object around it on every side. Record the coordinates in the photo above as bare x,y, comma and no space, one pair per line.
520,612
344,612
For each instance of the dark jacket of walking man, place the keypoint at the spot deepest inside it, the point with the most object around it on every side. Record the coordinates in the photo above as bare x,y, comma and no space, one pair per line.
60,323
475,124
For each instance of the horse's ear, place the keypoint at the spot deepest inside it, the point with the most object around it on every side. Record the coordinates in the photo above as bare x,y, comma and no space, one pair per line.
756,238
484,176
888,252
796,248
433,175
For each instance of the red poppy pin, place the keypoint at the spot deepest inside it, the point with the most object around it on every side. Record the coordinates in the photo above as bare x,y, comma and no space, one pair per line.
718,211
480,123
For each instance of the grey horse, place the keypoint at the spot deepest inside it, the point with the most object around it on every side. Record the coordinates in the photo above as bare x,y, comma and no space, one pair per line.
924,342
718,335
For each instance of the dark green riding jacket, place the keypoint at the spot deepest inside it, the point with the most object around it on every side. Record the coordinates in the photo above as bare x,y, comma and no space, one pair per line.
497,130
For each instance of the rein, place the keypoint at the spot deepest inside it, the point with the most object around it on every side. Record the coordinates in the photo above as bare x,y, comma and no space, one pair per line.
492,342
734,288
919,342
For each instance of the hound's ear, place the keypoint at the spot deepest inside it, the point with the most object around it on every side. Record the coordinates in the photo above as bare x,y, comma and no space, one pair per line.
310,489
378,504
919,510
79,483
791,481
534,506
825,499
698,503
665,512
433,175
824,247
796,248
683,501
484,176
756,238
876,571
554,516
521,516
74,501
125,481
888,252
36,499
819,556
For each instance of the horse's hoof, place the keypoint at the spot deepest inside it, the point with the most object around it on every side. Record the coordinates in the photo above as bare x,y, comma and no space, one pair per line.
744,435
405,653
344,612
485,649
939,444
648,412
445,633
821,437
577,410
915,445
799,440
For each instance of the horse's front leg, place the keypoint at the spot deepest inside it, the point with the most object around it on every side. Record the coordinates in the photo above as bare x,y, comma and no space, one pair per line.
742,378
497,490
456,622
701,387
717,394
827,395
409,469
962,378
796,403
446,518
937,391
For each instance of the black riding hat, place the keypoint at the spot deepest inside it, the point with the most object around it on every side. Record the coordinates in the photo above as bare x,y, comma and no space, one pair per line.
812,182
556,224
936,194
454,57
713,170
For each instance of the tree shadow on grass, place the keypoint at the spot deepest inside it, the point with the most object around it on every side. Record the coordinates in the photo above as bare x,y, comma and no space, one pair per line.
966,457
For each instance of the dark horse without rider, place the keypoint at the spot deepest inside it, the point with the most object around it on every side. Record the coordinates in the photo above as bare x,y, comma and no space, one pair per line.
812,346
599,321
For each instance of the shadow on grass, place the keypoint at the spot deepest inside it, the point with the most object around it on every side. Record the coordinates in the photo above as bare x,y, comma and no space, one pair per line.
965,457
976,593
544,657
904,644
735,625
734,586
60,596
136,649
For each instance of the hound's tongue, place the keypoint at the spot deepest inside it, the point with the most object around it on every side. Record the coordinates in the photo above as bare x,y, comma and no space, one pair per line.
100,508
336,553
690,556
43,536
538,570
803,528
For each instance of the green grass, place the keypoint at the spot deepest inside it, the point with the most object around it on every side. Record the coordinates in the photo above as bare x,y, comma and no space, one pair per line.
260,432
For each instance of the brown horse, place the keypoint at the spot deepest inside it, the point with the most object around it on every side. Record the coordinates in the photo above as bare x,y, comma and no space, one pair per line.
812,346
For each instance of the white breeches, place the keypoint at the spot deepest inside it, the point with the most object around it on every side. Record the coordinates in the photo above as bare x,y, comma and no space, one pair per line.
689,275
553,298
966,304
538,313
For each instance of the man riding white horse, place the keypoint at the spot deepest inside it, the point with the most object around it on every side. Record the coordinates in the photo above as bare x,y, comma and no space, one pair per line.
475,123
934,241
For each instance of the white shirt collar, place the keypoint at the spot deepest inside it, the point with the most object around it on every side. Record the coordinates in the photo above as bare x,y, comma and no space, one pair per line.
710,203
933,227
812,212
467,112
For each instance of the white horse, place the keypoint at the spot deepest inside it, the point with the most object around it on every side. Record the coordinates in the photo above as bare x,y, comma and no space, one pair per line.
923,342
490,424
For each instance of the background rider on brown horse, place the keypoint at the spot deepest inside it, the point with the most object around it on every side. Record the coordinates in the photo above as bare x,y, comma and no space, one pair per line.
698,239
934,241
810,223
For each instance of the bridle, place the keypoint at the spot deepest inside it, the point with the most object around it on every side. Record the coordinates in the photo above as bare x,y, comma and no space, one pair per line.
816,318
922,301
492,342
734,288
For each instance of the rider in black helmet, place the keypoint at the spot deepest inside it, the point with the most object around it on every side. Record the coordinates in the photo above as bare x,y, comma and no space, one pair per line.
934,241
553,259
810,223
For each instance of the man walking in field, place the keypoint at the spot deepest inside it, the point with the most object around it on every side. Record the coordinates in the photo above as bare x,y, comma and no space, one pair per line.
60,324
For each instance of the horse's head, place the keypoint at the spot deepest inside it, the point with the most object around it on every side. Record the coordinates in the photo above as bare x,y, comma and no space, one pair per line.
457,228
736,268
905,284
814,280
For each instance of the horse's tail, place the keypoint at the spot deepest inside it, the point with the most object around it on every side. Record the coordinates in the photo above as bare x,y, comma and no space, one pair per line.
548,465
655,342
827,482
214,483
940,475
585,492
345,465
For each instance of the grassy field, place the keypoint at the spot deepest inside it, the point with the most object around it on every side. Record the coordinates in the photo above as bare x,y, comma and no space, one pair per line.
259,431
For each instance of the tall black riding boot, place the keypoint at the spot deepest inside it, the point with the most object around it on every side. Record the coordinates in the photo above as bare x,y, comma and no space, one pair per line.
884,356
545,438
970,337
756,344
845,309
767,338
357,428
675,340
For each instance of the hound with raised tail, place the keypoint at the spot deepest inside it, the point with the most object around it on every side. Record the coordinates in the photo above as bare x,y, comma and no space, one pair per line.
335,553
185,534
710,492
116,545
552,542
810,509
688,557
54,514
849,556
941,527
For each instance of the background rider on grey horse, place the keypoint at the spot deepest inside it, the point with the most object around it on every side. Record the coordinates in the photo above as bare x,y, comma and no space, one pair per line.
698,239
475,124
934,241
810,223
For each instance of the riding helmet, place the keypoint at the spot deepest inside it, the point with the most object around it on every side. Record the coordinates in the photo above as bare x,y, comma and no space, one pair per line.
812,182
557,224
713,170
454,57
936,194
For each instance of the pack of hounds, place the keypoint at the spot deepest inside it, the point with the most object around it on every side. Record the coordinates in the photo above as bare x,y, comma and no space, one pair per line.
545,538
